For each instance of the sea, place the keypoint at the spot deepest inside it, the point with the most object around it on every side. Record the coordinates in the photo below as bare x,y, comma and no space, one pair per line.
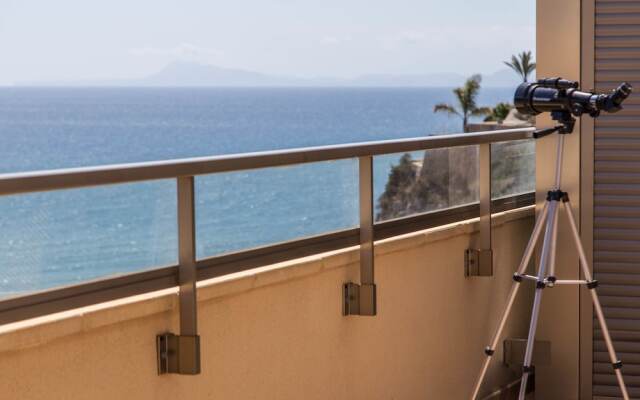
59,238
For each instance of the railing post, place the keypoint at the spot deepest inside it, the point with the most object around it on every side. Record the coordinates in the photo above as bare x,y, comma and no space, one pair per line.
181,353
361,299
187,256
479,261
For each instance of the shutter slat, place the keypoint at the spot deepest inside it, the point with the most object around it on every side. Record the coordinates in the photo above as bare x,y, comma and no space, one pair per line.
617,223
623,268
616,155
618,335
624,189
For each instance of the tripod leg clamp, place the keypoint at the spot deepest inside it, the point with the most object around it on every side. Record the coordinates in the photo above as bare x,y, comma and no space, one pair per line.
540,285
557,195
592,284
528,369
617,364
517,277
489,351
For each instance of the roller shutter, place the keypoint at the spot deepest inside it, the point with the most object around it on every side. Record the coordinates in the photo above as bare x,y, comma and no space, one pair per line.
617,196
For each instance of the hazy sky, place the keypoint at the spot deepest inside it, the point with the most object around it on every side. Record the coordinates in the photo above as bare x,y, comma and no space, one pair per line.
44,40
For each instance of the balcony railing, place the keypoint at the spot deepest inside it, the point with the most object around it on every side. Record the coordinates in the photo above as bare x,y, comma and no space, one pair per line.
189,269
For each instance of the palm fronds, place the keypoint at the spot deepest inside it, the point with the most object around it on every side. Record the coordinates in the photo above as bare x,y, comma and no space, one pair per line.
522,64
448,108
466,96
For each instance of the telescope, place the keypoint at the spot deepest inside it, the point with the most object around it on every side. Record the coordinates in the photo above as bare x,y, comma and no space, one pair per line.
564,100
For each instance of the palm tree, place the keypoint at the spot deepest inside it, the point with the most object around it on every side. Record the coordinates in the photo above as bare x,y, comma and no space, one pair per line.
499,112
466,96
523,64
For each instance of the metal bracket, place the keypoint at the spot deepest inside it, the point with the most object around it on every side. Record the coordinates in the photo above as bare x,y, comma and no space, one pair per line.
514,349
479,262
178,354
359,299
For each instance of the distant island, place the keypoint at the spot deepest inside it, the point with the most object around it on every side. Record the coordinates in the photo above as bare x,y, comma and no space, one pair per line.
190,74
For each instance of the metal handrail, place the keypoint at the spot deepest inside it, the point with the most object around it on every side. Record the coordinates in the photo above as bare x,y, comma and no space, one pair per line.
190,270
40,181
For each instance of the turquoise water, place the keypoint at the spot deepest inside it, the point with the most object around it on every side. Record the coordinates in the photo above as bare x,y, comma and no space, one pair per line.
53,239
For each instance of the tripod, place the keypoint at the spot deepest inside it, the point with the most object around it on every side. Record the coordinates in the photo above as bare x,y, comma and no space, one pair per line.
546,277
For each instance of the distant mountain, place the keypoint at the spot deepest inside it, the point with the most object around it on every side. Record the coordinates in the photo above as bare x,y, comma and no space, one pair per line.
502,78
193,74
436,79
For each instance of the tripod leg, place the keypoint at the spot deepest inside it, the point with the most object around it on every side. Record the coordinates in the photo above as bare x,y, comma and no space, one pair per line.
489,350
527,368
617,364
552,249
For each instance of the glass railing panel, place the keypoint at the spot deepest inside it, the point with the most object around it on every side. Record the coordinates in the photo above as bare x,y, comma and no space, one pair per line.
513,168
65,237
418,182
412,183
248,209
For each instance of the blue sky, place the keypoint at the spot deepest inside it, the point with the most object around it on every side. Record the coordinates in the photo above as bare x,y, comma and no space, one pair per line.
90,39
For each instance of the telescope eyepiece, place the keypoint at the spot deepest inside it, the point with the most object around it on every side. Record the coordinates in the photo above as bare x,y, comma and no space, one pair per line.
620,94
612,102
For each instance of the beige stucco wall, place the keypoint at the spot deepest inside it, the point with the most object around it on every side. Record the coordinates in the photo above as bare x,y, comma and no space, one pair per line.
558,48
278,333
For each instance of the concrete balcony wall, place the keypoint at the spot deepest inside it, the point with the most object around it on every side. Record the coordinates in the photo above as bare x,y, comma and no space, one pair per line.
277,332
